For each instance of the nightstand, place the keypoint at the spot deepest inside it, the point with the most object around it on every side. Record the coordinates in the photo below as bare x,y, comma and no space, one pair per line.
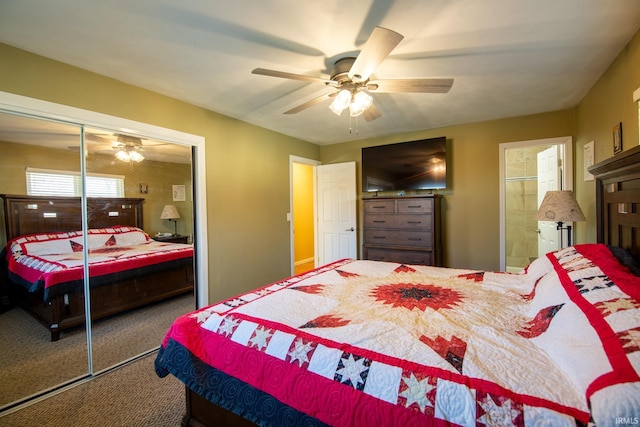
173,239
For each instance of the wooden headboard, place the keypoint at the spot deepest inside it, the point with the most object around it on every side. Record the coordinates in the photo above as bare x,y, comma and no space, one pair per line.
42,214
618,200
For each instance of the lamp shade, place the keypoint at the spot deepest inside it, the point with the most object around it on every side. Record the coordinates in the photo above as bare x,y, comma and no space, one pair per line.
169,212
560,206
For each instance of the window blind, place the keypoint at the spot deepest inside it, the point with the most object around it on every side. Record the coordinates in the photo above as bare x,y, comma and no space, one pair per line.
44,182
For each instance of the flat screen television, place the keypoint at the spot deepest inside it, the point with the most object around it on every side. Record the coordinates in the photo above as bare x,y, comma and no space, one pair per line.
412,165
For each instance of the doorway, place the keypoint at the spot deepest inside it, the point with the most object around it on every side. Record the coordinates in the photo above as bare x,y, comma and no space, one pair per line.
526,168
303,242
322,218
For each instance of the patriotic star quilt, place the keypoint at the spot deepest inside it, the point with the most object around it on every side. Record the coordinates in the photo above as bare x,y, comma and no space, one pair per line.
54,262
365,343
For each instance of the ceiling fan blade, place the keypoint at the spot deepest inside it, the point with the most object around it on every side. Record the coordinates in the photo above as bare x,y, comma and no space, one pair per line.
292,76
309,103
101,139
380,44
410,85
371,113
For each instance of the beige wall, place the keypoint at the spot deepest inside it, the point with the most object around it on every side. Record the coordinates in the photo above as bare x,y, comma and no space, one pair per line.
609,102
247,166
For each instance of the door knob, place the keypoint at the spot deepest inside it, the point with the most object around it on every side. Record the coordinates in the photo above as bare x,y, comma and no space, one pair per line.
349,229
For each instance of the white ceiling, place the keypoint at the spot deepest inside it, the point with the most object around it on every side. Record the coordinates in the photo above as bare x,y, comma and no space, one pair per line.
508,57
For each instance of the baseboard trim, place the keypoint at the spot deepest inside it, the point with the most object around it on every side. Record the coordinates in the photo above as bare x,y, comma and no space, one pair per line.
303,261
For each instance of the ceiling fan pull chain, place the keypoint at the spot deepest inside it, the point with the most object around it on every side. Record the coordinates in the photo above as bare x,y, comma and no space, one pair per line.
350,121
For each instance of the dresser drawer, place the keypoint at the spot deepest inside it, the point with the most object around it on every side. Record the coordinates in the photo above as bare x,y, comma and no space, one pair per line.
379,206
406,221
421,239
400,256
415,206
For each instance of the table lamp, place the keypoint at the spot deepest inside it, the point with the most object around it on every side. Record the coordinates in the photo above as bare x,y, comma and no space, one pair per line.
560,207
170,212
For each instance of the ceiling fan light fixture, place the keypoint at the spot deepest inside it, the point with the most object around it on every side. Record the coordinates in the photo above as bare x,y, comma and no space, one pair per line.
361,101
341,101
129,154
136,156
122,156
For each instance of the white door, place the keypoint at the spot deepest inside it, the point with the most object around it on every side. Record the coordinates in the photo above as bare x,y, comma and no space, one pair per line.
336,214
548,179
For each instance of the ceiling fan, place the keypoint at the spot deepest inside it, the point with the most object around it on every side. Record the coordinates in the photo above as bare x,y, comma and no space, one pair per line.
128,148
351,77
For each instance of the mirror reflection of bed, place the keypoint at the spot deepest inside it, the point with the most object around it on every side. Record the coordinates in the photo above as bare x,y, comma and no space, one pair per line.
44,344
127,268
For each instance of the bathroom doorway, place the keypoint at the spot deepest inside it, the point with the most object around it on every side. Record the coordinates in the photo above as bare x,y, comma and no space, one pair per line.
519,198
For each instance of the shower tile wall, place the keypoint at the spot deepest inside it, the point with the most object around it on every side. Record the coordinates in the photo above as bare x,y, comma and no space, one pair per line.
521,201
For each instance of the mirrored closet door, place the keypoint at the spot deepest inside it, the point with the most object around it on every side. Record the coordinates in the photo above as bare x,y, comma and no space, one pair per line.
31,363
132,311
89,203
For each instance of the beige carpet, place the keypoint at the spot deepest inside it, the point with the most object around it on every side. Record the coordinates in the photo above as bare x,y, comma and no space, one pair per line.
30,362
131,395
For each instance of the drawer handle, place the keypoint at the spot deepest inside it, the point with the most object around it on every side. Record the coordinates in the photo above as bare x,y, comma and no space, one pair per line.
379,221
414,206
379,237
414,239
378,207
414,222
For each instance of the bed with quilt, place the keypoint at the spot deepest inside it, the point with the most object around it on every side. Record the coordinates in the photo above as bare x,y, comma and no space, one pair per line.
369,343
126,269
376,344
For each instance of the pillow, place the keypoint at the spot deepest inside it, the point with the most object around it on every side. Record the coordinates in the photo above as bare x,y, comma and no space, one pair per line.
48,247
131,238
116,236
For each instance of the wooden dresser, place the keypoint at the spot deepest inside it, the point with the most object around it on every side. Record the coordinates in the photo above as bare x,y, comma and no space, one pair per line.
403,229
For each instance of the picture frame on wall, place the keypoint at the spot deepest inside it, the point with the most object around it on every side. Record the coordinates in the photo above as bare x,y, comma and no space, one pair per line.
617,138
179,193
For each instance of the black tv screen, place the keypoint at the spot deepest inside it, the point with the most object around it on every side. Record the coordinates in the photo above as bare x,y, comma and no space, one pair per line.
413,165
